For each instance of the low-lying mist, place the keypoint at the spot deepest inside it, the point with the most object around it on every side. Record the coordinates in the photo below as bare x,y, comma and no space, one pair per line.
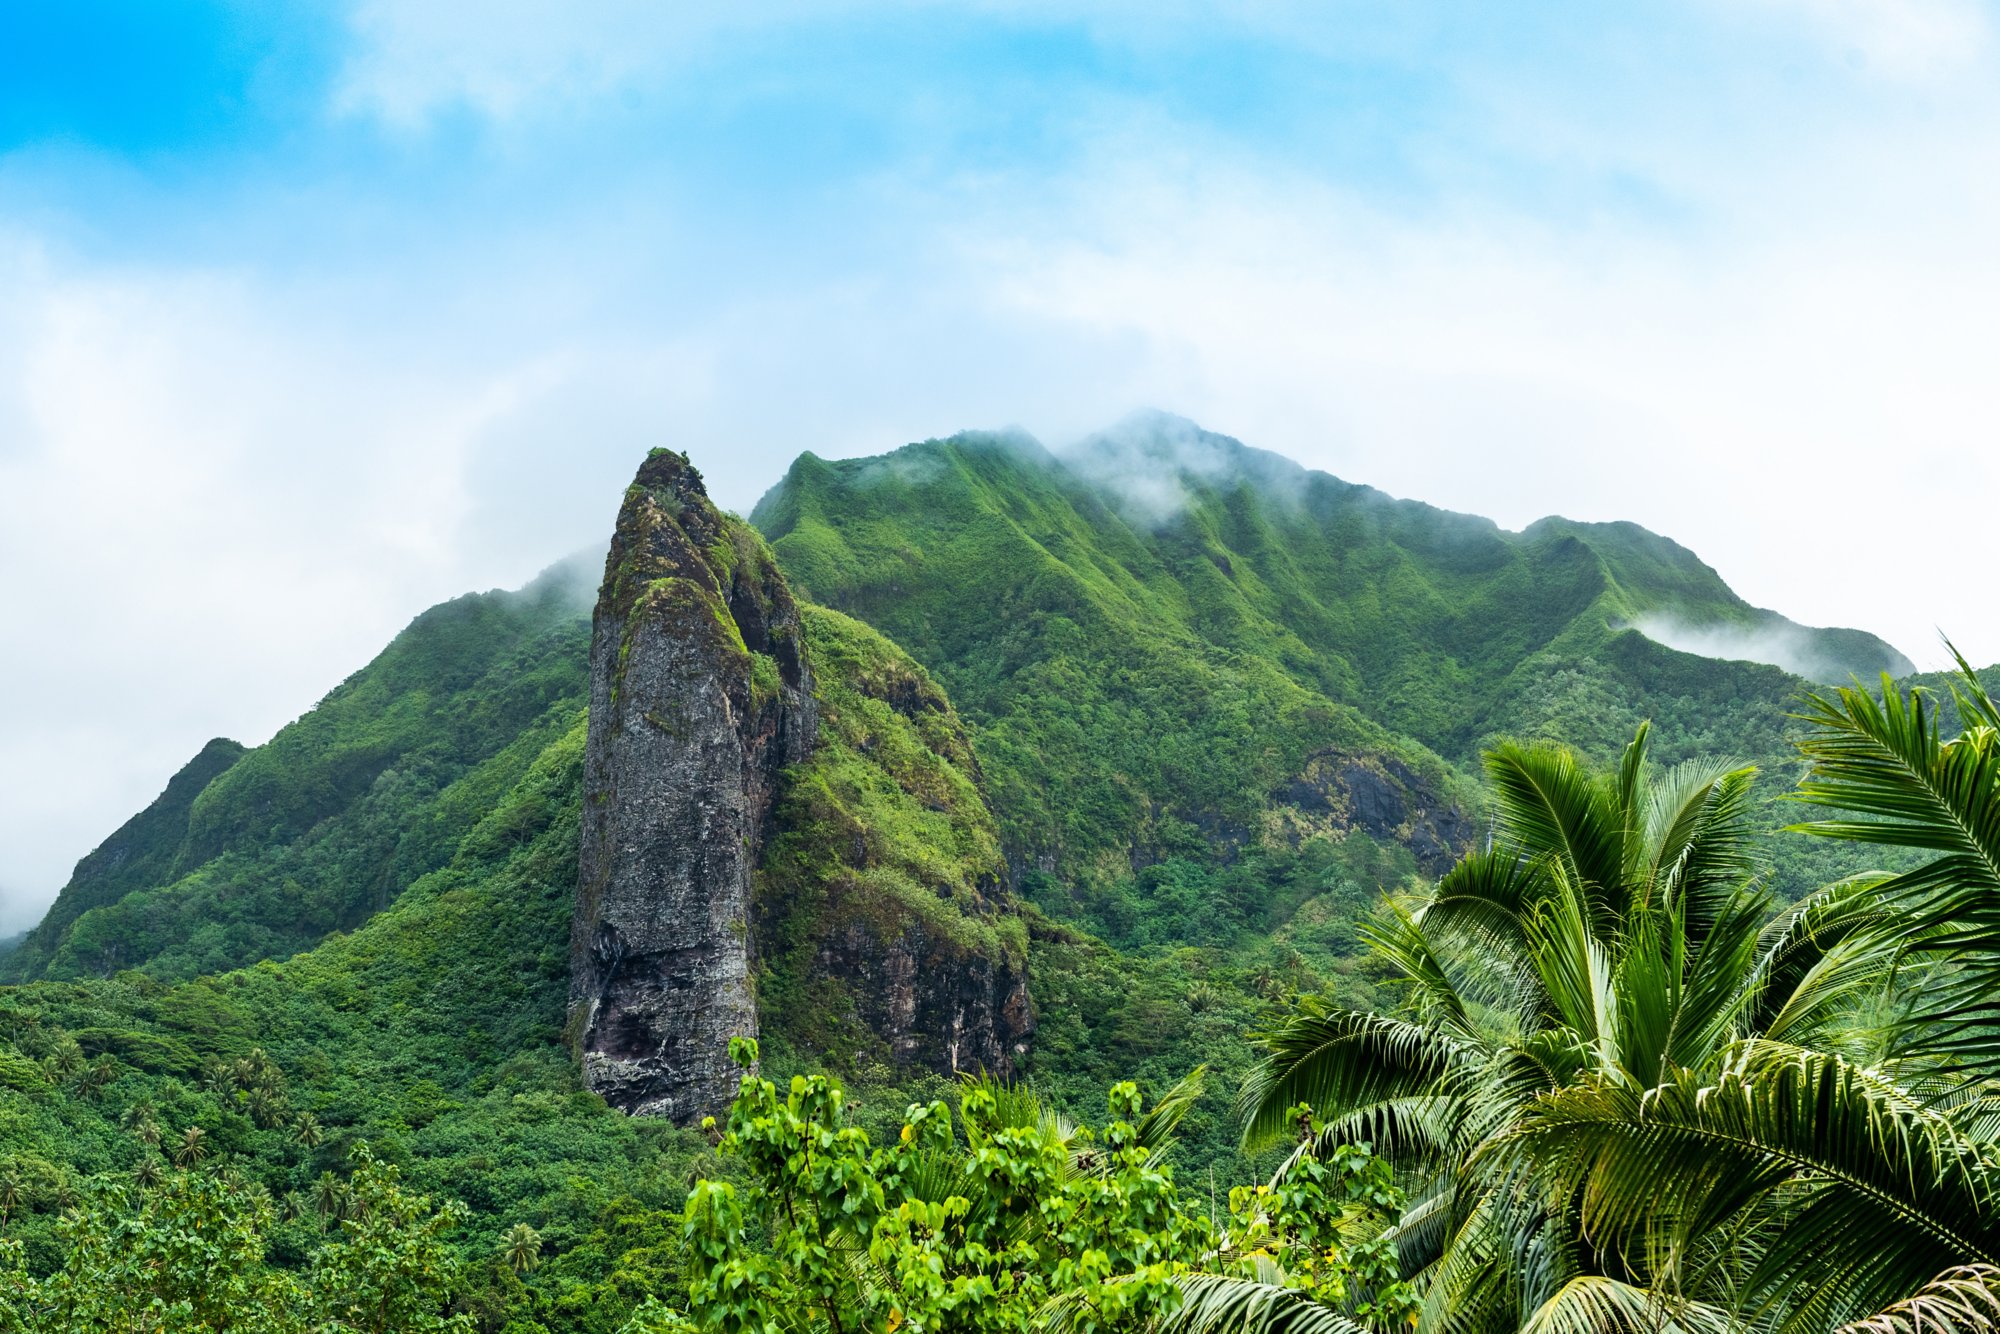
1781,644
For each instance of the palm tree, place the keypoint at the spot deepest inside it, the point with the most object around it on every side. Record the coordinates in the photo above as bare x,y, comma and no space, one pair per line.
265,1108
98,1075
67,1058
306,1130
1862,1183
1613,935
522,1248
1792,1188
330,1196
139,1119
193,1147
1889,762
1807,1187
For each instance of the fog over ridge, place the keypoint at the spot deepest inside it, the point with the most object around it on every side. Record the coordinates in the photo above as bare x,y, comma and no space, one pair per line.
1778,643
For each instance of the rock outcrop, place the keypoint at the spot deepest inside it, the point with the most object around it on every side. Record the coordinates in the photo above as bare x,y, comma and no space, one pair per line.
700,696
783,830
1384,798
884,930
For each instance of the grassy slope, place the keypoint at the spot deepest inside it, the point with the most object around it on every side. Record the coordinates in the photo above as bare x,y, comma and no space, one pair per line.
1119,705
259,855
1152,633
884,825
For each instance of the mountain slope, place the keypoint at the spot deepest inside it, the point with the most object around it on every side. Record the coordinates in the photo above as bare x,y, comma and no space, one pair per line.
258,855
435,1029
1163,636
1127,702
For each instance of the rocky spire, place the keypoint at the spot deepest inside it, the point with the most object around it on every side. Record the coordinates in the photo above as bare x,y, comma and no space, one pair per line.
700,695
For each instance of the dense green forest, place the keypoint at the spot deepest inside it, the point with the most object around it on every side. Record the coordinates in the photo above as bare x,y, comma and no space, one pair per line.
1263,766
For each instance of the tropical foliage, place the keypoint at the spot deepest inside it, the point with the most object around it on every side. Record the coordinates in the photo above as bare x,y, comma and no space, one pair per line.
190,1255
1635,1095
1012,1218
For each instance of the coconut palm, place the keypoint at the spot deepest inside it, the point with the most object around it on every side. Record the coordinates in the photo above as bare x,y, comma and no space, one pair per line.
1614,934
1796,1189
1889,762
1808,1188
192,1148
331,1196
521,1248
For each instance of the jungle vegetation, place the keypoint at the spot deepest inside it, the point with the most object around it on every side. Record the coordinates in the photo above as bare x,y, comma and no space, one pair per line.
1643,1057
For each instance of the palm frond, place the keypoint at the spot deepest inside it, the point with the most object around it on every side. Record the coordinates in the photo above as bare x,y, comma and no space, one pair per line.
1701,839
1962,1300
1158,1125
1474,1287
1340,1061
1486,900
1549,803
1429,988
1417,1134
1795,943
1886,761
1575,968
1881,1194
1225,1304
1594,1304
1975,706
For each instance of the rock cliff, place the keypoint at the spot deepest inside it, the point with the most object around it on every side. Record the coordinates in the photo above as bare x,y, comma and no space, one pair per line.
883,926
783,831
700,695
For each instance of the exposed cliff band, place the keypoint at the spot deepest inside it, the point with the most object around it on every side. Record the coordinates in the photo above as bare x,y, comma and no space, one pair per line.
700,695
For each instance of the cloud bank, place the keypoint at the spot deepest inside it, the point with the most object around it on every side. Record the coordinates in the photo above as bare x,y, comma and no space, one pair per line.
400,324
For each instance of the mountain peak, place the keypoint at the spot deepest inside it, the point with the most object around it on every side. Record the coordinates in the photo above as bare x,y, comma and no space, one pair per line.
1150,459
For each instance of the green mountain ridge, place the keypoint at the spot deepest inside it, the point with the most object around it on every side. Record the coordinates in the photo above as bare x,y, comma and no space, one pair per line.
1149,459
1159,634
258,854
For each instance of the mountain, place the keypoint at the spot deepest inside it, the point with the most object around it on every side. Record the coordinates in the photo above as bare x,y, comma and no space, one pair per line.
1164,639
259,854
971,754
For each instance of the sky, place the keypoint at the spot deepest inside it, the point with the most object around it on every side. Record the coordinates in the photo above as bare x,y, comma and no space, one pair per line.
314,315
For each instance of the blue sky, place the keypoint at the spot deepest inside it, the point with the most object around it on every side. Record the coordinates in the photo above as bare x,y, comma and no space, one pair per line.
312,315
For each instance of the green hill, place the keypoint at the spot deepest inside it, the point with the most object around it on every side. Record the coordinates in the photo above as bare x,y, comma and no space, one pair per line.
257,855
434,1030
1162,636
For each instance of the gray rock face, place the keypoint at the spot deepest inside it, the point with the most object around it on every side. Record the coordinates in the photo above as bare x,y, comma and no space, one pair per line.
932,1004
700,695
1386,799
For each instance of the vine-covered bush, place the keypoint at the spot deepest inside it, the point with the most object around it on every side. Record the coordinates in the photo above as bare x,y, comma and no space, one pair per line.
1008,1217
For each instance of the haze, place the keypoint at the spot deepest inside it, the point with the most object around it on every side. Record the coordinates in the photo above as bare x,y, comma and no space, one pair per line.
310,320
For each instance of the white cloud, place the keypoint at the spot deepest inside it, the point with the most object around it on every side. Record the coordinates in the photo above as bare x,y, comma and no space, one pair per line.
209,513
1794,384
1899,39
497,58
